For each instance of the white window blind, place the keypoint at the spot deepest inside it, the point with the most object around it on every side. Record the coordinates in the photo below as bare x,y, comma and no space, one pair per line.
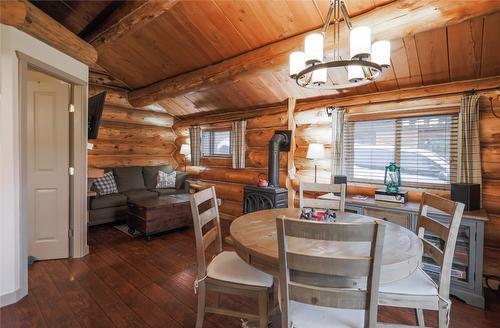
216,143
425,148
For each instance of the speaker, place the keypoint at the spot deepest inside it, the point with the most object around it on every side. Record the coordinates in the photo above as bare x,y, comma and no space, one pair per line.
467,193
338,179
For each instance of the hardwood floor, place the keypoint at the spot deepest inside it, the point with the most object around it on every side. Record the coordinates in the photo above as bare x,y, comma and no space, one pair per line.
126,282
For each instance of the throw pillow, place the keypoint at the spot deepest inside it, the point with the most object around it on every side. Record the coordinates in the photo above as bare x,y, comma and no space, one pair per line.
151,174
166,180
105,185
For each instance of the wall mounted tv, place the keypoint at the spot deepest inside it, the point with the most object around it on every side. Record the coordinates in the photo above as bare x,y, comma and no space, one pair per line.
95,108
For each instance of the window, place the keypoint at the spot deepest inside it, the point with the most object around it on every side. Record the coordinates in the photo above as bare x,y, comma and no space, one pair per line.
424,147
216,143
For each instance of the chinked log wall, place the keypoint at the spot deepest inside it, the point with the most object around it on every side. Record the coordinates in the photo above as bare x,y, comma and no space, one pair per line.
131,136
229,182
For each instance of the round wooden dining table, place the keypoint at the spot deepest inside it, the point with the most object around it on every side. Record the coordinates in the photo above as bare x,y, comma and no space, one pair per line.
255,241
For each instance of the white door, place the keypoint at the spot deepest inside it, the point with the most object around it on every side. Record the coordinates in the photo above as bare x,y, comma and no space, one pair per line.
47,158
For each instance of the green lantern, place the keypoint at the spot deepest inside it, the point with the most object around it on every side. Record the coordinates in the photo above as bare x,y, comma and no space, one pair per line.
392,179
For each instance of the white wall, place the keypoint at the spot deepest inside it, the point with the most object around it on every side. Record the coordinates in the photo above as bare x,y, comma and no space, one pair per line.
13,244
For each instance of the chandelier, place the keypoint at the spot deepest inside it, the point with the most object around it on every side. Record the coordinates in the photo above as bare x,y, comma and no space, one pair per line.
365,65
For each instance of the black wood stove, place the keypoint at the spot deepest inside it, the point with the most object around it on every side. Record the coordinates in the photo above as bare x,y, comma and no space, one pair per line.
262,198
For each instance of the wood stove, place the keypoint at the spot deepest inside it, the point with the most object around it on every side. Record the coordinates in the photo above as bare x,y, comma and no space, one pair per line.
261,198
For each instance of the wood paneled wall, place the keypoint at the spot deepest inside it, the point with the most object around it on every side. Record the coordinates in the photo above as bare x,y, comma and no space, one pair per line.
229,182
131,136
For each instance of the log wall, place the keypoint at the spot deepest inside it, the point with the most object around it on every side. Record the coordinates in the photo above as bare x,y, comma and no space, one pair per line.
229,182
131,136
313,126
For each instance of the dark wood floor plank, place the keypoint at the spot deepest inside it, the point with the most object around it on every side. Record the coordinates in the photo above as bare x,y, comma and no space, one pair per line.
25,313
84,308
105,297
52,305
148,311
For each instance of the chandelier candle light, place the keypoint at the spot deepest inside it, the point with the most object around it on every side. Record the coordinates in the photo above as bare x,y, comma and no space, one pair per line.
365,65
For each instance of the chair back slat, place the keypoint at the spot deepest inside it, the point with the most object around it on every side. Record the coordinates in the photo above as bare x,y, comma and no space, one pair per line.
328,279
355,231
439,203
337,203
350,267
437,228
448,233
329,297
207,216
433,251
204,239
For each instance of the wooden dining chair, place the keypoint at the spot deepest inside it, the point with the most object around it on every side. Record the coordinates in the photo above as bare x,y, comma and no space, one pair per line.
419,291
226,273
324,290
336,203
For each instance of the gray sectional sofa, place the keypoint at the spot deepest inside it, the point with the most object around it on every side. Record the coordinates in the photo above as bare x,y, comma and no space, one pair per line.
134,183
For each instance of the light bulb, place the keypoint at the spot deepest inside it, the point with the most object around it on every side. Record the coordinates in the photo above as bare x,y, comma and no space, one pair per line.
360,42
297,63
381,53
314,48
355,73
319,76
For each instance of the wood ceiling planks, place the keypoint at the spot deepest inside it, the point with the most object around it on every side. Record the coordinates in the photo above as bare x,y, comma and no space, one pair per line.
464,47
490,63
195,34
433,56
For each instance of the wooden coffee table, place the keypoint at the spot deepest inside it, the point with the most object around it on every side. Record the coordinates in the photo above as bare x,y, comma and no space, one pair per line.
161,214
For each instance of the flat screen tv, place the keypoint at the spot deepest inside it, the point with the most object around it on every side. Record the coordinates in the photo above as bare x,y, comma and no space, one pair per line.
95,108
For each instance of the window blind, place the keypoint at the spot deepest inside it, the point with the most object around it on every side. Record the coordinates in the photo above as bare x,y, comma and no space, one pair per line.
425,147
216,143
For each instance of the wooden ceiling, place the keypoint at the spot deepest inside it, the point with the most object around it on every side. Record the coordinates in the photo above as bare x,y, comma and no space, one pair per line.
192,35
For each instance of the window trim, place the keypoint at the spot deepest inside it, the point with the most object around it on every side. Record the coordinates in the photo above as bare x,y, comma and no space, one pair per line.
212,130
349,172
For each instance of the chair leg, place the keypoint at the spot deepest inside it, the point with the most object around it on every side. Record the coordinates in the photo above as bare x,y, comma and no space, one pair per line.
443,317
263,308
201,304
420,317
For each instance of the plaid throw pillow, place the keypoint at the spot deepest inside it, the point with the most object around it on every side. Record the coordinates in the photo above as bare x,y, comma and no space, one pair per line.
106,184
165,180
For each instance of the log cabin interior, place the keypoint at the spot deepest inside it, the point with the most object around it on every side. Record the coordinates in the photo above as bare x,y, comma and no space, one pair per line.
290,134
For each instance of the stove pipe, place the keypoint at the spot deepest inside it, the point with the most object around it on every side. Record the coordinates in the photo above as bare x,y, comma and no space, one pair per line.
279,142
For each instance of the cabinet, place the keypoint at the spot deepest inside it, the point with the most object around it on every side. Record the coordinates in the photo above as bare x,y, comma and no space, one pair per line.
467,269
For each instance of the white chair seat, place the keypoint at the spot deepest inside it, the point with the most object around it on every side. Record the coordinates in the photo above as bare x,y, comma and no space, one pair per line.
228,266
418,284
312,316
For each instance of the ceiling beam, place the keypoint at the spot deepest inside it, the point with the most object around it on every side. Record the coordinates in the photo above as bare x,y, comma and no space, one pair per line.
443,89
26,17
392,21
128,18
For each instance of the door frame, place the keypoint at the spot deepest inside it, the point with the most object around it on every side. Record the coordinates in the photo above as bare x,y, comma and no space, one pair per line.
78,246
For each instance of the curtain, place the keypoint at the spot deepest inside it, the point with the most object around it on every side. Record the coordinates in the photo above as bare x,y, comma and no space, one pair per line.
337,142
238,143
195,140
469,151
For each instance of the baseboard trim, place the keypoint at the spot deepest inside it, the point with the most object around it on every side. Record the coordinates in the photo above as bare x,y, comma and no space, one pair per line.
12,297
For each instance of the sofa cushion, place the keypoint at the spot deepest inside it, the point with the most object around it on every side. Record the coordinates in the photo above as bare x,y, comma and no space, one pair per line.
167,191
180,179
105,185
129,178
111,200
151,172
134,195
